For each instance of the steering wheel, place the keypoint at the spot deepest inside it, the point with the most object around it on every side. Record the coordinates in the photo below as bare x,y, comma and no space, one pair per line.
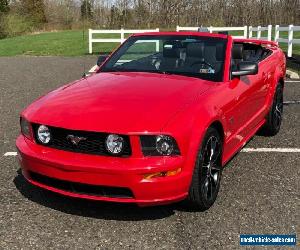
155,62
202,62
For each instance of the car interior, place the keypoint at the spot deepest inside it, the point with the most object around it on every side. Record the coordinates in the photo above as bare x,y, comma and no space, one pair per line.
207,57
248,52
198,56
190,56
193,57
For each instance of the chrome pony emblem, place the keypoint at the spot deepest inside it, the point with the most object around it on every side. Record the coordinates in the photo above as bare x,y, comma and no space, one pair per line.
75,139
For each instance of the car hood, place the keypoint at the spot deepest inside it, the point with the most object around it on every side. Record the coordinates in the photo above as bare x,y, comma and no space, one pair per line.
117,102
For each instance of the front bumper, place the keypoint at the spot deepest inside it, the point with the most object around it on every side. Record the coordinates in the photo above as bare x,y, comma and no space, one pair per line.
105,171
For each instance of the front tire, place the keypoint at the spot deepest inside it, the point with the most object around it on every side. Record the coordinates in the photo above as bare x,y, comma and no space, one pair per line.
274,117
207,172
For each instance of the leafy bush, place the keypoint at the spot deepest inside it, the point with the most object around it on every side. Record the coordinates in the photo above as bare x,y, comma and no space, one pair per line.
14,25
2,31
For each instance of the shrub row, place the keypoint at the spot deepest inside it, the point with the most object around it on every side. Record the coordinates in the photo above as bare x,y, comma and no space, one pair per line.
14,25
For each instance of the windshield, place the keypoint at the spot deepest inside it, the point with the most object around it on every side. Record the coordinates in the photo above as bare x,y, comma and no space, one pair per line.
194,56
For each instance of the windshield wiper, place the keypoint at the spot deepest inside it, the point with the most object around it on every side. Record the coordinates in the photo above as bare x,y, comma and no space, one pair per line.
164,72
115,70
133,70
190,74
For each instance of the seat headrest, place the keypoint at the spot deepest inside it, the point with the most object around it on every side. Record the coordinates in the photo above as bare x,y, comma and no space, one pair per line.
219,52
170,49
195,50
237,51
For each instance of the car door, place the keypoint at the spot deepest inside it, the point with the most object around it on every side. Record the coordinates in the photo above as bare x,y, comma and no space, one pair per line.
260,84
267,67
237,110
253,95
242,106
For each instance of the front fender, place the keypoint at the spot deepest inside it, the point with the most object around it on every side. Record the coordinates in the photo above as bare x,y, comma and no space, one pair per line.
189,126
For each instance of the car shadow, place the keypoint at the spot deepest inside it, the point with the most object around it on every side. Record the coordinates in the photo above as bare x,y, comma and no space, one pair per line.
89,208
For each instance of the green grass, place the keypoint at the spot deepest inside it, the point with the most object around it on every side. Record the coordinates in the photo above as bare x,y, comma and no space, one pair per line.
70,43
62,43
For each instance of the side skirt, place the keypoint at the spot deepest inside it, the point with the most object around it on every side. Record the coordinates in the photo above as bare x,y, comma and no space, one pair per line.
239,146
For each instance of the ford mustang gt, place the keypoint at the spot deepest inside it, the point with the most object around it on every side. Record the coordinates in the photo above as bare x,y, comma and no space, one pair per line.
158,120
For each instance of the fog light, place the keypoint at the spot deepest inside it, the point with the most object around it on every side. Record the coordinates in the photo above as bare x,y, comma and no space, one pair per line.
114,144
164,144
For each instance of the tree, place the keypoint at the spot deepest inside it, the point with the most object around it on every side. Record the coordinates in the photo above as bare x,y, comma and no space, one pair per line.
113,11
86,10
35,10
4,6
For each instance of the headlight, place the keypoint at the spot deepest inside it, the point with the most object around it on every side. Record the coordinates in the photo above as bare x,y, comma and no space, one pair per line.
43,134
154,145
25,127
114,144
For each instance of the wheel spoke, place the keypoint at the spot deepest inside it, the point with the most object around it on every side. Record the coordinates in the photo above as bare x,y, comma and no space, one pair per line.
215,167
278,114
215,178
279,105
213,146
205,187
206,156
206,166
211,188
278,111
215,150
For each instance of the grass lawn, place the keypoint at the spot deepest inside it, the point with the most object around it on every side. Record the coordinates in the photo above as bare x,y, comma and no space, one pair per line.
62,43
70,43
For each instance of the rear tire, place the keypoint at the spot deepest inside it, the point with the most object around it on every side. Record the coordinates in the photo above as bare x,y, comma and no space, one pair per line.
207,172
274,117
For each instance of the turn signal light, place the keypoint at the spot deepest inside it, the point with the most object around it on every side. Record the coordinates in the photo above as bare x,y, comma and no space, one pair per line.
162,174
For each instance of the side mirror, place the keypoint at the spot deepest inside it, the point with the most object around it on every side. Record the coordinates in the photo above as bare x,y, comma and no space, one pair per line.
101,59
245,68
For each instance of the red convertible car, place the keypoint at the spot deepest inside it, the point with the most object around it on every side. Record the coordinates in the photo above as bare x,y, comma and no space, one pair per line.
158,120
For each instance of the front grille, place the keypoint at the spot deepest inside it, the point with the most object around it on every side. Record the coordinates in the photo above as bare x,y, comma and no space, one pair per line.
80,188
94,142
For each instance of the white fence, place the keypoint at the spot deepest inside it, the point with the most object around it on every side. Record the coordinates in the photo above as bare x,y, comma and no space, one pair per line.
290,40
122,33
211,29
258,31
